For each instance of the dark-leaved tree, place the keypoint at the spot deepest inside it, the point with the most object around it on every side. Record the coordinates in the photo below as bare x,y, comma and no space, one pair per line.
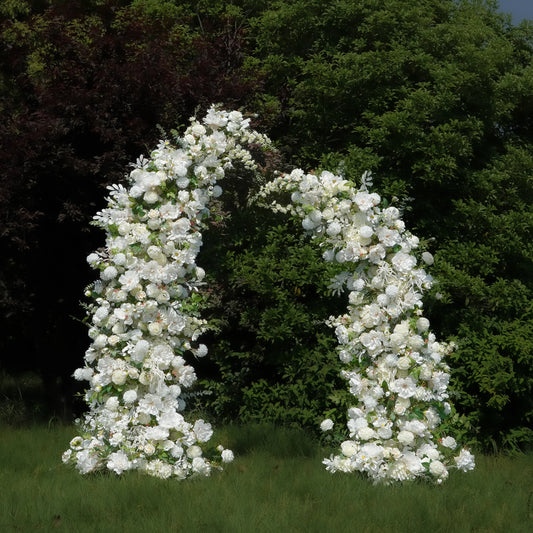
83,87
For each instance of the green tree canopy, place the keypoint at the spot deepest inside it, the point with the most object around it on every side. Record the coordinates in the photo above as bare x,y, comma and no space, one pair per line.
435,97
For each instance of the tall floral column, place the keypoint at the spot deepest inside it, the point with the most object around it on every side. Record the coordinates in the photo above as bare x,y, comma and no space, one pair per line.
394,367
143,316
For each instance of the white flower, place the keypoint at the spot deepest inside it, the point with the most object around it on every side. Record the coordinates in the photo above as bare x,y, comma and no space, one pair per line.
402,404
119,376
203,431
427,258
227,456
155,328
449,442
140,350
151,197
155,433
140,320
403,262
83,374
366,433
86,461
130,396
76,443
403,363
437,468
348,448
194,452
118,462
112,403
405,387
93,259
326,425
422,324
334,228
465,461
366,232
201,351
109,273
149,448
415,426
200,466
158,468
392,291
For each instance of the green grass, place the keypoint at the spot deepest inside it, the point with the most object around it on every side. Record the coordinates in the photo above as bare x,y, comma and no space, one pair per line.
276,484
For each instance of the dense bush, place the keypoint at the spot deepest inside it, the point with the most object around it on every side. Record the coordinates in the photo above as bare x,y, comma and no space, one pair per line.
274,358
435,98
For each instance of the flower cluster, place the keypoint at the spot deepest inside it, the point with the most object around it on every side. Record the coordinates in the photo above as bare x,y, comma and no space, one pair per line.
394,366
144,311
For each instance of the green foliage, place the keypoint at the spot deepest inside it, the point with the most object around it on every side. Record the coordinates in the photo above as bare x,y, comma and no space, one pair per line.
273,357
435,98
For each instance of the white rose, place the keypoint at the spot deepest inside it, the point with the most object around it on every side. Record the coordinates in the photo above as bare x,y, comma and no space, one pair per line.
194,451
151,197
326,424
366,433
334,228
227,456
405,437
118,377
100,341
113,339
425,372
449,442
130,396
437,468
348,448
112,403
155,328
83,374
403,363
200,466
366,232
149,449
422,324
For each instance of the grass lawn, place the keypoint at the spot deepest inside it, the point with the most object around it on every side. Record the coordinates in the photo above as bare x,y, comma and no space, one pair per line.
276,484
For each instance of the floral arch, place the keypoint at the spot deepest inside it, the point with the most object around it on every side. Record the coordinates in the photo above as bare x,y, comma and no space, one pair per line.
143,317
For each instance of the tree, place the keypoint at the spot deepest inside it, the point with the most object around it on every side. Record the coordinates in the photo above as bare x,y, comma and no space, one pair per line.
83,87
435,98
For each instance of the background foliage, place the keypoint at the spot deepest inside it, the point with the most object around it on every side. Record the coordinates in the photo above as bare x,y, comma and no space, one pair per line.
435,97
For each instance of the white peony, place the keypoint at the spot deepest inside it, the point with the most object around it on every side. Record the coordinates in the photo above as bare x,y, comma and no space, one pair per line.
326,425
227,456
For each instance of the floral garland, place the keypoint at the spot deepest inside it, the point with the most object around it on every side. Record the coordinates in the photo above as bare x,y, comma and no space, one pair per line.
144,314
395,368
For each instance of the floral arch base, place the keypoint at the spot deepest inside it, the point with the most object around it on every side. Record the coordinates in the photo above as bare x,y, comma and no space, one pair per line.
143,317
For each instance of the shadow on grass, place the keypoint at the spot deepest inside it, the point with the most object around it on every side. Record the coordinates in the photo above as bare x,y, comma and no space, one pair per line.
269,439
